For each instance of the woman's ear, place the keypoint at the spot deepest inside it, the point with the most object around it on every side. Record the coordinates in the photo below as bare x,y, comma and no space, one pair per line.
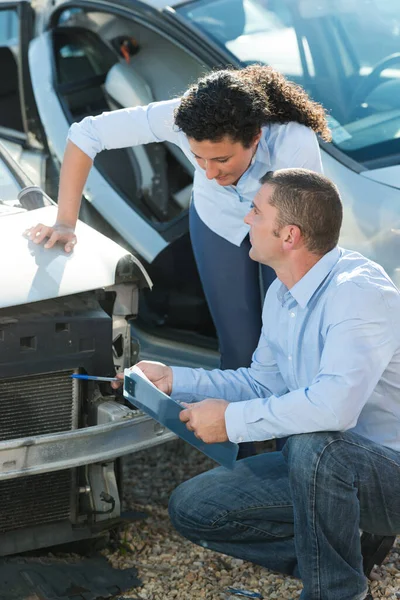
257,138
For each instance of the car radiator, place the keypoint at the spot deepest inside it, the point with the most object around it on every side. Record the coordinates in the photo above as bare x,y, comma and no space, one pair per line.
41,345
35,405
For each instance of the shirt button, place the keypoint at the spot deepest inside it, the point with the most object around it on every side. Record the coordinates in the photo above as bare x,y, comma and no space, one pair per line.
292,314
290,357
240,439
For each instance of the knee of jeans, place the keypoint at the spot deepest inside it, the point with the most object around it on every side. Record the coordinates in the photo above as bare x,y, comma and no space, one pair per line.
184,508
300,450
303,451
195,506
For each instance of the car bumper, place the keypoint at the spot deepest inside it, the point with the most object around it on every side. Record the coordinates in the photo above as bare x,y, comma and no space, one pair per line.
68,449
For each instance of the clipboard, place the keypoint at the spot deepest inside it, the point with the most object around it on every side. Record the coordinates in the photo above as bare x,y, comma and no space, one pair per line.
142,393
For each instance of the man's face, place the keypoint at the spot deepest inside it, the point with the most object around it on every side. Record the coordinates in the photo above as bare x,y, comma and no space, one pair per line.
266,243
225,161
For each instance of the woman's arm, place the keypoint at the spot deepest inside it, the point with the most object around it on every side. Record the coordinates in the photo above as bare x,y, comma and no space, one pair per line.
116,129
74,173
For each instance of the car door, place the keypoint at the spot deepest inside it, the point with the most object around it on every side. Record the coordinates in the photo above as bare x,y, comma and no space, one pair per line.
17,21
147,242
20,127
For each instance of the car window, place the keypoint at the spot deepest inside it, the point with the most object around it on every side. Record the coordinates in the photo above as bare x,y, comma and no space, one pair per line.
8,26
79,55
10,100
345,53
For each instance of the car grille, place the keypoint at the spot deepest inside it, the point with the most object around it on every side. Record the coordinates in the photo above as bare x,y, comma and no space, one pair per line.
35,500
35,405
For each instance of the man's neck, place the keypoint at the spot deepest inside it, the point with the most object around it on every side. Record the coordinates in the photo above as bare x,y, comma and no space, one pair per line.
295,269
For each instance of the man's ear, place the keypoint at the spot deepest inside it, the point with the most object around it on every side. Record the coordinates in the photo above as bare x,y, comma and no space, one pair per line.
291,236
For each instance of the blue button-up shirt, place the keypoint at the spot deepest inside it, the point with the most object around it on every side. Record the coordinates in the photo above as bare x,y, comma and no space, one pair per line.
221,208
328,358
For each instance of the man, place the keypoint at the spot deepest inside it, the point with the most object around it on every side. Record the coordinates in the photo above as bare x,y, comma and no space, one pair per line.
326,372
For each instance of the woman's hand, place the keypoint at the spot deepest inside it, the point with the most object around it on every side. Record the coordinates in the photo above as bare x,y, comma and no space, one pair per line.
156,372
74,172
56,234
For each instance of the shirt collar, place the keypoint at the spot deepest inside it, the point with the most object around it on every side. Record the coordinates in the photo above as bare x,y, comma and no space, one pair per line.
262,154
303,290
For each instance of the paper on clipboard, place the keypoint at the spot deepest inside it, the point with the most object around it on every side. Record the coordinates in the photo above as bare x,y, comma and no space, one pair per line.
142,393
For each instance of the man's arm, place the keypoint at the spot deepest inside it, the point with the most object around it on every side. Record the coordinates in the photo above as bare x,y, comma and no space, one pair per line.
261,379
360,342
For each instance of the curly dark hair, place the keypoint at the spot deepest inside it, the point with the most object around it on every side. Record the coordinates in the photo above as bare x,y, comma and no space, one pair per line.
238,102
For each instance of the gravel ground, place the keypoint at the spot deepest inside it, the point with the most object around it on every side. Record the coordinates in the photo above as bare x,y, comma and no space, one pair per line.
171,567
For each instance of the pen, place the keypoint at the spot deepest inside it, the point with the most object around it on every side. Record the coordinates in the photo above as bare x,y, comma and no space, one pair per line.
95,378
238,592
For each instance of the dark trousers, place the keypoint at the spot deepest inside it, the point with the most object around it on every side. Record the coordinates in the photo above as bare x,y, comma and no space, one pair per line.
234,291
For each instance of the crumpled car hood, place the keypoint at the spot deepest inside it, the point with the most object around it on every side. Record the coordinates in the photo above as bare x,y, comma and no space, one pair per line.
30,273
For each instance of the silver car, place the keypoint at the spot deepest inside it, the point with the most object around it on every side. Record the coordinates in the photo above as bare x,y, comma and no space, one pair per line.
60,314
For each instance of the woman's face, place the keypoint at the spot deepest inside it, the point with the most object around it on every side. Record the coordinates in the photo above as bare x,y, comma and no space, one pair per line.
225,161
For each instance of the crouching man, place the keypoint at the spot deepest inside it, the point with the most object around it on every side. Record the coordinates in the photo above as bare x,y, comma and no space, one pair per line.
326,373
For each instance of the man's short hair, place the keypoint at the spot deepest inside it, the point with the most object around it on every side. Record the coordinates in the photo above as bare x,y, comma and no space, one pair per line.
310,201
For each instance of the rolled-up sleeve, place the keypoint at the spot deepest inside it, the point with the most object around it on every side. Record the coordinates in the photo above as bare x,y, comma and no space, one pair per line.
126,127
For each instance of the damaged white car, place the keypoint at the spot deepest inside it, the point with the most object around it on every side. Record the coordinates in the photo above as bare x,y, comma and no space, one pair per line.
62,314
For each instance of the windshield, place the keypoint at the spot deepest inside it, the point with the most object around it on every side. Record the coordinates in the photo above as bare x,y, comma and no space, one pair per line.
345,53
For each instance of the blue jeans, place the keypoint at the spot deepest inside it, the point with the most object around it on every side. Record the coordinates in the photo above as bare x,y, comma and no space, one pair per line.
298,511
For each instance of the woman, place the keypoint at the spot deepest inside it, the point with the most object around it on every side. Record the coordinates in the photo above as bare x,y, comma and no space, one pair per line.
234,126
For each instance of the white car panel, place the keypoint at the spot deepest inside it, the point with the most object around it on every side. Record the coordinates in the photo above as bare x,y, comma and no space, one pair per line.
371,216
388,175
30,273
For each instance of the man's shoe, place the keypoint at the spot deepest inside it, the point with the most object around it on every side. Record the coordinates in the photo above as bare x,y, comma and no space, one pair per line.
374,549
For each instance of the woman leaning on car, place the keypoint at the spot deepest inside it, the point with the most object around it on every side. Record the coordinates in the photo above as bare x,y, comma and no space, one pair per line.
234,126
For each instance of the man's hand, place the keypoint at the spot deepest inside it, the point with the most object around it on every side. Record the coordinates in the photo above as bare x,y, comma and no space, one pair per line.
206,419
159,374
57,233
